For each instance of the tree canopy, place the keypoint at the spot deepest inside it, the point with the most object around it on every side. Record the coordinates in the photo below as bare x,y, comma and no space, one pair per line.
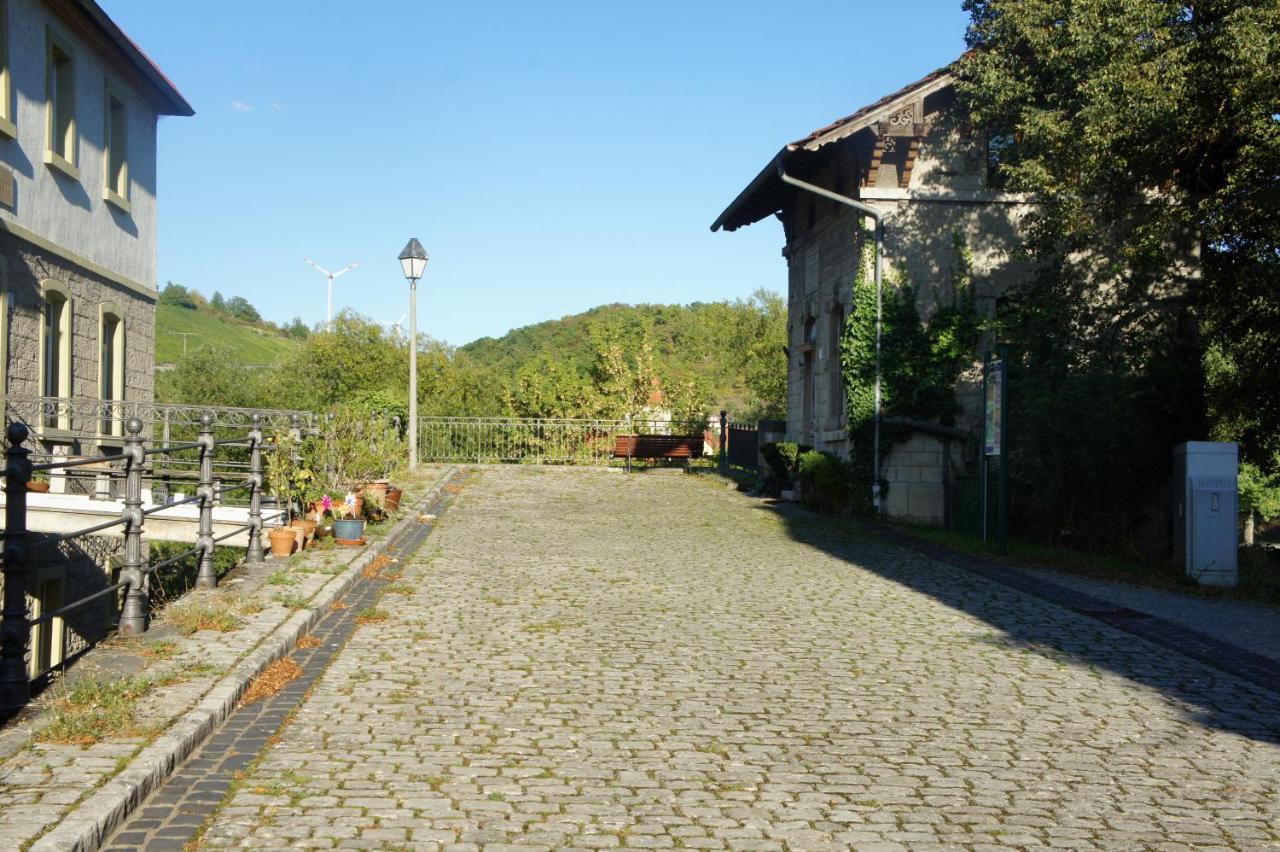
1149,132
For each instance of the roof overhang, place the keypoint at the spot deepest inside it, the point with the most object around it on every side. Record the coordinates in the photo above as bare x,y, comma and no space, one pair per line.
92,23
766,194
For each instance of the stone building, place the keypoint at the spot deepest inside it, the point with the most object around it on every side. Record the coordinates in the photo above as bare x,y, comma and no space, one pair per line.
79,105
913,157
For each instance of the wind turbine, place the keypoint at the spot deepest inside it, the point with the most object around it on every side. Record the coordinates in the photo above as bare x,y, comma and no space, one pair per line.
331,276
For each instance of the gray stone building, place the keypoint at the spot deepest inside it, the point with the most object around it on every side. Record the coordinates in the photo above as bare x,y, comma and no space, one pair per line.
913,157
79,104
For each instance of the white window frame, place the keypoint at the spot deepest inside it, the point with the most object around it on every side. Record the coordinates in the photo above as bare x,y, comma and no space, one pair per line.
8,125
112,424
116,191
59,97
50,290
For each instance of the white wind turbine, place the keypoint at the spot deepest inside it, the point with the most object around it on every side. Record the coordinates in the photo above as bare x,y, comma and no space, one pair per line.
331,276
396,329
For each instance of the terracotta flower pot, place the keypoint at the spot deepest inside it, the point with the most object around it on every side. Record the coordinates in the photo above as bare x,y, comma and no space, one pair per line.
282,541
38,486
393,498
377,492
300,532
311,528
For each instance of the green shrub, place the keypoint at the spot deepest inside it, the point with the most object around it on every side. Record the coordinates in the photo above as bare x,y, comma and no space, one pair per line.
827,482
783,458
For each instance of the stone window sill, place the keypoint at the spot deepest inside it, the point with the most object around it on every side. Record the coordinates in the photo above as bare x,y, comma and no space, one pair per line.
56,162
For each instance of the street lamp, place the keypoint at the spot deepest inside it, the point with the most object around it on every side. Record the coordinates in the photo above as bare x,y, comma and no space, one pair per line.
413,260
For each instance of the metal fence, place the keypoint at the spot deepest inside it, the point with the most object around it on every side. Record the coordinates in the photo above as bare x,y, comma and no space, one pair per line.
488,440
131,594
744,444
102,422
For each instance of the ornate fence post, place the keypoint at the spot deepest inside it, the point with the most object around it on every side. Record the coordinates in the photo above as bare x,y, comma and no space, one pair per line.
15,632
724,442
254,556
205,576
295,432
137,603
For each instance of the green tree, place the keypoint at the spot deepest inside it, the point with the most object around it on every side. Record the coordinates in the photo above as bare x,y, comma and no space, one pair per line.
1149,129
240,308
1259,495
178,296
211,375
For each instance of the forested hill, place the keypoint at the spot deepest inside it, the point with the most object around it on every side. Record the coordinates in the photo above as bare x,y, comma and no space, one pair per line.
732,351
611,361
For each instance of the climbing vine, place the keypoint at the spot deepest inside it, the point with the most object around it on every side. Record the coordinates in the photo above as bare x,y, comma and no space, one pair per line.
920,362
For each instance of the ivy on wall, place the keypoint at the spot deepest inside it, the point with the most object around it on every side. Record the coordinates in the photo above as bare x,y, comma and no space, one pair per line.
920,362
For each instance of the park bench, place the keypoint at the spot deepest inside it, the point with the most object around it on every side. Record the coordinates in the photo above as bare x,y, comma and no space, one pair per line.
657,447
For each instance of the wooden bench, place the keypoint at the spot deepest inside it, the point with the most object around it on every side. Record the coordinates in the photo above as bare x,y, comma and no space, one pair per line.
657,447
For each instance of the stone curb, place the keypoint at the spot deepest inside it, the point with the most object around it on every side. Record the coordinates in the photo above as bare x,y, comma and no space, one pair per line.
91,822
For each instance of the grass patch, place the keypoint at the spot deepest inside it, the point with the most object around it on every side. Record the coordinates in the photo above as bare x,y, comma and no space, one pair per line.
399,589
193,617
272,679
372,615
186,672
94,709
250,606
282,578
292,600
150,651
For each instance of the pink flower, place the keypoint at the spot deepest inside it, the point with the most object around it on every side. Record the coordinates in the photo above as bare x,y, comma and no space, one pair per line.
328,503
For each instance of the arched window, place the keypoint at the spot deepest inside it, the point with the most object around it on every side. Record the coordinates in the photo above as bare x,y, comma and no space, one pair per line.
55,351
111,367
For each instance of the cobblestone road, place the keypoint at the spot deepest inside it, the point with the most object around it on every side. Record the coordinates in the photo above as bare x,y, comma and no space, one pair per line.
587,659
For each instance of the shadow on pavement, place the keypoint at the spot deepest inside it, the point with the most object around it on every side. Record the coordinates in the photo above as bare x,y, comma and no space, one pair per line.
1239,696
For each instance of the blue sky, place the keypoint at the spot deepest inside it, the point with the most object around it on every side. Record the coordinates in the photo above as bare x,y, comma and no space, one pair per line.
550,156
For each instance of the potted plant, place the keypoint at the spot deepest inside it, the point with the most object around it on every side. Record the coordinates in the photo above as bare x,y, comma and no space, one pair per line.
282,541
39,483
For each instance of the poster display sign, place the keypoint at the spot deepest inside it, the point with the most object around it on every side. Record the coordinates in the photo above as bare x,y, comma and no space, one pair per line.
991,410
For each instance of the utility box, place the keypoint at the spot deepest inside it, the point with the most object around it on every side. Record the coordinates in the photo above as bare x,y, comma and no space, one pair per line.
1206,511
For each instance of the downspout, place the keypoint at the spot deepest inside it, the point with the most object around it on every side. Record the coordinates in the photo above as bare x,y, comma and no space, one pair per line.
878,217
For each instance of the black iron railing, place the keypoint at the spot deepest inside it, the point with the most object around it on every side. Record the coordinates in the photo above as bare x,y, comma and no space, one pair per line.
23,549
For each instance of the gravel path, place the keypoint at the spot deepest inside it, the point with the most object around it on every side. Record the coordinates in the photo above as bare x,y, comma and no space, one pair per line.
586,659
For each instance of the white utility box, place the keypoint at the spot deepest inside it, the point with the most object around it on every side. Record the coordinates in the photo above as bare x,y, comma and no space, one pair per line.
1206,511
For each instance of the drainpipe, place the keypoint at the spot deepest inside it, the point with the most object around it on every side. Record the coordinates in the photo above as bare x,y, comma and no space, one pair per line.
878,217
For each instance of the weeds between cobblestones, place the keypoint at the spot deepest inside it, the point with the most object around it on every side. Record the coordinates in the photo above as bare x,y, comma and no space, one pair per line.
67,792
175,815
725,675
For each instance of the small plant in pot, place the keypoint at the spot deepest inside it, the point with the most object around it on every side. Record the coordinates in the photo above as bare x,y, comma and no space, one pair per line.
349,528
39,483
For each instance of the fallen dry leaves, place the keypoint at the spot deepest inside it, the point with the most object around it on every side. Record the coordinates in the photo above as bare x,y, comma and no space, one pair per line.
272,680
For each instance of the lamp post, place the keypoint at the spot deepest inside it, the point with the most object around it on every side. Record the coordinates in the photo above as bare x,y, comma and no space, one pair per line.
413,260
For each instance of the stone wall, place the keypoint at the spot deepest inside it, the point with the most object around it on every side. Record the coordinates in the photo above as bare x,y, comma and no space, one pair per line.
945,200
28,267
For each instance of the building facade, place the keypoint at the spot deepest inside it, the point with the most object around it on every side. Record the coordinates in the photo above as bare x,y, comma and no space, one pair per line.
79,105
914,158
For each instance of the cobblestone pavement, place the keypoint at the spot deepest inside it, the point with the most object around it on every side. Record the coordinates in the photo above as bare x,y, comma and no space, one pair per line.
595,660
